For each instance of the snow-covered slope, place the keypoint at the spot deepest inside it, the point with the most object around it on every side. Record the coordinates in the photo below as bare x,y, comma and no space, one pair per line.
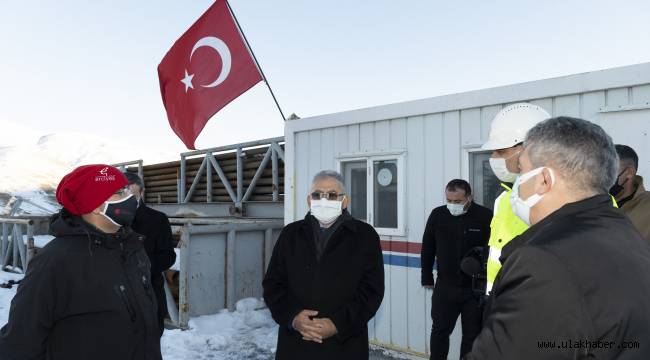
32,165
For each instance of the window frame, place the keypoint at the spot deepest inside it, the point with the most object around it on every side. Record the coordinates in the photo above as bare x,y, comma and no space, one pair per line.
370,158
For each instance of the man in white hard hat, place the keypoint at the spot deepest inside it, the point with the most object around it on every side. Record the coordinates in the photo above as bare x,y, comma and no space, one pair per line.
507,134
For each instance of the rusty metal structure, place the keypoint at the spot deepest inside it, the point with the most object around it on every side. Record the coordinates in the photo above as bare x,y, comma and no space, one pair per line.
227,205
221,262
16,249
245,180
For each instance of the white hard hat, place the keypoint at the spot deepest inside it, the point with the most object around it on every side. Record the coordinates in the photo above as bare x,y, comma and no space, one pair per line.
510,125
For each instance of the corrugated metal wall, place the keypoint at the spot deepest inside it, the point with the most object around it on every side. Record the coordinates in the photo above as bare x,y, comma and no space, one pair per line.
436,146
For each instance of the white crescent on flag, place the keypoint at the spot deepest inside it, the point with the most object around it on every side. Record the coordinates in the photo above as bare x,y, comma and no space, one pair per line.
220,47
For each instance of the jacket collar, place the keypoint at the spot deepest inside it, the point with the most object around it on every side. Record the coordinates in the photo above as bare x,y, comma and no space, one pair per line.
594,202
638,185
64,224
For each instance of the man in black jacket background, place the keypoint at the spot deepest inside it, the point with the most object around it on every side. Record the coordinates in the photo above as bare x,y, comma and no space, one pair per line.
87,294
157,231
451,232
576,284
325,280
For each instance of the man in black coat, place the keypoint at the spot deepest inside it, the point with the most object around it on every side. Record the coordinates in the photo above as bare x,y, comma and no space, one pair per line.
87,294
154,225
325,280
576,284
452,231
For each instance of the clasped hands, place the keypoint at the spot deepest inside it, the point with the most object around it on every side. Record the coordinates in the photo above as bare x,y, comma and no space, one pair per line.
313,329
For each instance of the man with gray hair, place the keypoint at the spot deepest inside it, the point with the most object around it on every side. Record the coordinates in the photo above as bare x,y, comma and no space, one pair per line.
576,284
325,280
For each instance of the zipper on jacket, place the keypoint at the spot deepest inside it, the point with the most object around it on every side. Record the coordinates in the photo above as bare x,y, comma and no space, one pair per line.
147,291
121,292
145,282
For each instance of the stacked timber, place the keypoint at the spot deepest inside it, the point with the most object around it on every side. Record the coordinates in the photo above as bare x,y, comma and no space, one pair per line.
161,180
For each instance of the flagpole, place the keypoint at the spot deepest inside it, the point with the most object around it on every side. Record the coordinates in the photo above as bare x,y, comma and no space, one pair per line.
255,59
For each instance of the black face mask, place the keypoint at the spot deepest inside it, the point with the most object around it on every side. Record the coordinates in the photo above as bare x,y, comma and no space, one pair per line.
616,188
122,212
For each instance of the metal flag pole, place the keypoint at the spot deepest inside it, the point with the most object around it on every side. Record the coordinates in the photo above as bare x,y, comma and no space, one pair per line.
255,59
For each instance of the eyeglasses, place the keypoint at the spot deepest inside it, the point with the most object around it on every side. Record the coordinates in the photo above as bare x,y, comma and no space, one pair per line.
332,195
125,191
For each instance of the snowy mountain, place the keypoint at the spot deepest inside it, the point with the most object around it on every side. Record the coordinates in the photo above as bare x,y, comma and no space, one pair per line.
32,165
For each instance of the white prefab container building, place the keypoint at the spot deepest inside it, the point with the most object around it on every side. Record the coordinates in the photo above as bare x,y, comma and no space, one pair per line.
397,158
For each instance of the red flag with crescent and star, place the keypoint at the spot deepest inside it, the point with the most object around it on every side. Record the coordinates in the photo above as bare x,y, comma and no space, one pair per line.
207,67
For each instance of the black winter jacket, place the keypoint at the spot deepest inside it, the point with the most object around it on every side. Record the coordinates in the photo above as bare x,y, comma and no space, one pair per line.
448,238
346,285
86,295
574,286
157,232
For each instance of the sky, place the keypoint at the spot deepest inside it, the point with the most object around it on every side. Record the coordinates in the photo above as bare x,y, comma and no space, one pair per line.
91,66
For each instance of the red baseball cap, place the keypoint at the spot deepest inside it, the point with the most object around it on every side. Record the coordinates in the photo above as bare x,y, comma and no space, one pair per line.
86,187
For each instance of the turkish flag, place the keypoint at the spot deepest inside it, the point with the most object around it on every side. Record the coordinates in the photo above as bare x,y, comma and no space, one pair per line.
207,67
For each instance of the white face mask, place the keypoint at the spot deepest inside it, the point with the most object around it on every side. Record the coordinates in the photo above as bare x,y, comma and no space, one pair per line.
520,207
500,169
326,211
456,209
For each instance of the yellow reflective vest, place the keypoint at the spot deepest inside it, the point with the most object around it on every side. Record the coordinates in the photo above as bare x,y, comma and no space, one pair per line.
504,227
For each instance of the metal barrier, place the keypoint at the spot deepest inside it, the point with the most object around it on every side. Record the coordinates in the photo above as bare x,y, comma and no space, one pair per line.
12,245
228,261
123,165
238,196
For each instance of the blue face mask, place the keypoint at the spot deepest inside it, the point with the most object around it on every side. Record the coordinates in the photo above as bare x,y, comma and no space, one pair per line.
121,212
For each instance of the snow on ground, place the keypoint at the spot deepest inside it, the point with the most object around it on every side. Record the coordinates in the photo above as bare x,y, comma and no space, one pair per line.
6,295
177,263
40,240
247,333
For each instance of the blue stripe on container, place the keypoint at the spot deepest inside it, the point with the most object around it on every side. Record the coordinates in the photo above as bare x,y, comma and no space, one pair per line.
400,260
406,261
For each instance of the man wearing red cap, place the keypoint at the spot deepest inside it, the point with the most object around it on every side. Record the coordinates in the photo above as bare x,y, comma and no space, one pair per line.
87,294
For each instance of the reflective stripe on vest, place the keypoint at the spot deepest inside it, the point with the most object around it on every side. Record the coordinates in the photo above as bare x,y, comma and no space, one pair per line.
504,227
